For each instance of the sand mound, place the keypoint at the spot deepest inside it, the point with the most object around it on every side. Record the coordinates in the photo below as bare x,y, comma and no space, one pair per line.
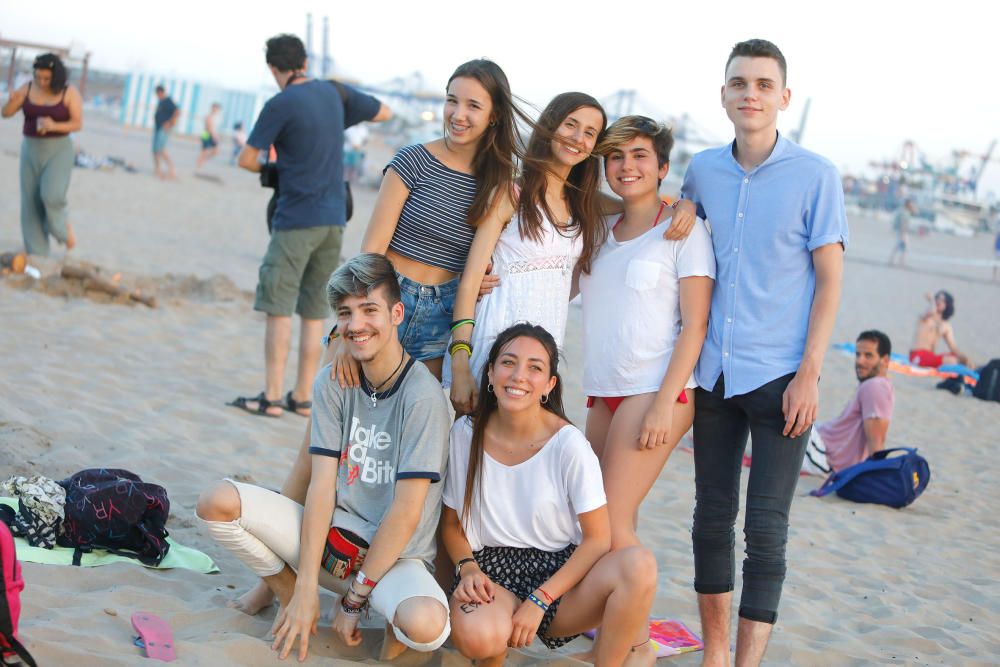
55,282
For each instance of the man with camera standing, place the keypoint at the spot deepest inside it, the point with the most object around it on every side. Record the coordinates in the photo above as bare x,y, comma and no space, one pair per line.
305,123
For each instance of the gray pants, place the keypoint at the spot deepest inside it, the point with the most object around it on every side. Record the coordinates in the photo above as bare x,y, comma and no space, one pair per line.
46,165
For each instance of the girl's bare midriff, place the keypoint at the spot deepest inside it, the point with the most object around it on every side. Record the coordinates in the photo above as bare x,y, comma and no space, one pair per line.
425,274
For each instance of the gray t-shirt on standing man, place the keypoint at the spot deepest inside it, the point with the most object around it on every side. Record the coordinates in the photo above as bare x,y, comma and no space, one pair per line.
401,435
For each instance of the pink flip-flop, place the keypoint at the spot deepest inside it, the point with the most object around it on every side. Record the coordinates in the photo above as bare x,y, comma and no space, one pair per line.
156,636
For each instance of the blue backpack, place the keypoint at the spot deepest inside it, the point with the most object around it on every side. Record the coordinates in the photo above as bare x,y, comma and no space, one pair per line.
885,478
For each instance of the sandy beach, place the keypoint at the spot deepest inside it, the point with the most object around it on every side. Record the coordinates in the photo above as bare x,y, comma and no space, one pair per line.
89,383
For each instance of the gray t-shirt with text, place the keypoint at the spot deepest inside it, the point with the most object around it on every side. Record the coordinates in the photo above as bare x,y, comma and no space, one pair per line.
404,435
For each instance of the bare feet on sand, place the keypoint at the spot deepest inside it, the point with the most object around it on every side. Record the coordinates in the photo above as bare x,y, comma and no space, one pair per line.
643,655
392,648
254,600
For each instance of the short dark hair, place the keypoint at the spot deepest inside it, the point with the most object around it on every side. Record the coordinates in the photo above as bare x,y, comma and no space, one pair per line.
360,276
880,339
159,88
759,48
54,64
286,53
949,304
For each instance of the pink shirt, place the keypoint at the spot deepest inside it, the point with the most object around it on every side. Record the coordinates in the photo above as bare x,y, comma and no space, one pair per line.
844,437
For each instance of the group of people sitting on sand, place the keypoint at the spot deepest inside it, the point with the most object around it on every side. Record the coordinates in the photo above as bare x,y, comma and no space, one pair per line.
508,522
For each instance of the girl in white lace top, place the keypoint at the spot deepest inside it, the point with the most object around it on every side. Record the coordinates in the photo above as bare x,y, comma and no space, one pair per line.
534,243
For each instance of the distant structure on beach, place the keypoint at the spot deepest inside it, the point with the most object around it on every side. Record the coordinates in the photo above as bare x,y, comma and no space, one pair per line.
947,195
194,98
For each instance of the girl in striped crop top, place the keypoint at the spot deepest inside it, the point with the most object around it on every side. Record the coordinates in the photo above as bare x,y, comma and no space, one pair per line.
430,199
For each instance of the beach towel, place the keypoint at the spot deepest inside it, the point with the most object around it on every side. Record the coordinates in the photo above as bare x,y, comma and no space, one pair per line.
669,637
900,364
177,556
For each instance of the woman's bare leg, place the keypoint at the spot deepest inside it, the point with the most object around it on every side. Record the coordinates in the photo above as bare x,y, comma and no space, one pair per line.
617,594
629,472
598,423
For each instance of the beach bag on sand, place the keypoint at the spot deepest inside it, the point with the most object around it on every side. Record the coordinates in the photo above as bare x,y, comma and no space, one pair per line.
988,385
10,600
893,477
115,510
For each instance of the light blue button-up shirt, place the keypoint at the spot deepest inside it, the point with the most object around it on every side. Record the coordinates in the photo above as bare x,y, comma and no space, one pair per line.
765,224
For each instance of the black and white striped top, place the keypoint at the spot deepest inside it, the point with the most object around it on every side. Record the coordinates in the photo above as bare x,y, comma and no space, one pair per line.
432,227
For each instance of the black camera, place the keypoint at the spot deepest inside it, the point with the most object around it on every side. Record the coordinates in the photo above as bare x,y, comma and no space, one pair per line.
269,175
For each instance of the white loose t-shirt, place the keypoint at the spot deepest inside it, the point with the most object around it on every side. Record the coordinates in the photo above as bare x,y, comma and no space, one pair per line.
631,308
532,504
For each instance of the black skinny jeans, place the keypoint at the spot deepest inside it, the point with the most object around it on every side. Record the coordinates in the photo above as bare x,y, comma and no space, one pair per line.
720,438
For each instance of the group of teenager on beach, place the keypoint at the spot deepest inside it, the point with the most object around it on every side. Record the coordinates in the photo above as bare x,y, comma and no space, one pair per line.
508,522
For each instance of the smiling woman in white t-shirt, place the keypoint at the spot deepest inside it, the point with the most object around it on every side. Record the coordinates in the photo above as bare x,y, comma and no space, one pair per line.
645,315
526,523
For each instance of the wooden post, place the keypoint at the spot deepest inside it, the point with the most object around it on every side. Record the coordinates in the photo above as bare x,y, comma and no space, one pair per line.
10,70
83,74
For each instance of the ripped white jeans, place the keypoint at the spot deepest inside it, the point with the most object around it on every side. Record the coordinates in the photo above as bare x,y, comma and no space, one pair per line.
267,536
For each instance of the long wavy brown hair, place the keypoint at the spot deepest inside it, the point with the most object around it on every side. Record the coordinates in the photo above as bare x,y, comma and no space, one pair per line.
501,146
582,185
488,402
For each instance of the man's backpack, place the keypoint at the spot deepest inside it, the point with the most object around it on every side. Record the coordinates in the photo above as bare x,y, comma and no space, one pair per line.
10,600
988,385
115,510
893,477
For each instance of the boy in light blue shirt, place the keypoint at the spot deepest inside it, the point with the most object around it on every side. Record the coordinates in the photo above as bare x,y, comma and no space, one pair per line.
779,230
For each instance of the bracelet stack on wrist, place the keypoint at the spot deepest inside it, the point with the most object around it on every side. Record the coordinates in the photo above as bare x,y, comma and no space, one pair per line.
457,323
457,345
352,602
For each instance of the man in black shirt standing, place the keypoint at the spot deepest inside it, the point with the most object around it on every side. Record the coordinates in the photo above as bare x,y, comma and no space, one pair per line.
164,120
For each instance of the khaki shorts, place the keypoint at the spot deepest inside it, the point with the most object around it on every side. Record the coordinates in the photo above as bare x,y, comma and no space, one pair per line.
296,269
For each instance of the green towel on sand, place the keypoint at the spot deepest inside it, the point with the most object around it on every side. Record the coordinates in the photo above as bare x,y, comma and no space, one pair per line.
178,555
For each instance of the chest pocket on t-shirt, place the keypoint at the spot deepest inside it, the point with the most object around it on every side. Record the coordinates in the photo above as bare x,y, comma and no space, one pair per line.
642,274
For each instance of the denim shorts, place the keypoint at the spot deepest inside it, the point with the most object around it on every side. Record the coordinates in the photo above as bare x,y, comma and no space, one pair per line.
160,137
427,317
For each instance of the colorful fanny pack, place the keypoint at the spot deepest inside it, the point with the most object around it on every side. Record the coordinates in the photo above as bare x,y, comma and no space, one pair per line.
344,552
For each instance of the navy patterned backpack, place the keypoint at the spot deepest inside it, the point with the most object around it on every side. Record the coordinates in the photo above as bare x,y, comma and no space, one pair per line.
115,510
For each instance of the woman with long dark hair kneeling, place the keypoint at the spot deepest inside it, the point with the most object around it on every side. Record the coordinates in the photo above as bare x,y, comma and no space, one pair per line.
526,523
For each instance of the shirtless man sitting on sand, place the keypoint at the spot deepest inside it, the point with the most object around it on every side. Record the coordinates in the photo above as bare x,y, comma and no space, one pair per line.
931,326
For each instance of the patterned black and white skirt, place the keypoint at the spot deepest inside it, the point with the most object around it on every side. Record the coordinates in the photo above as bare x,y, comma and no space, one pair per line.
521,571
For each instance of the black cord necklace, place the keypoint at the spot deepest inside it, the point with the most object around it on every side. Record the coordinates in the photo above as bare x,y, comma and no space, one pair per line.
374,394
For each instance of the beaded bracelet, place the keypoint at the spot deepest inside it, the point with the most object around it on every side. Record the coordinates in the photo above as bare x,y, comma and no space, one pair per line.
534,598
457,323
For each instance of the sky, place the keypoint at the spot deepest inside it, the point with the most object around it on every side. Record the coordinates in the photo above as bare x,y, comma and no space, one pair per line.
878,73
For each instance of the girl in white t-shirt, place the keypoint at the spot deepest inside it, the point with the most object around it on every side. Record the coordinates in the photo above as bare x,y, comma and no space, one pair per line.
645,315
526,523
